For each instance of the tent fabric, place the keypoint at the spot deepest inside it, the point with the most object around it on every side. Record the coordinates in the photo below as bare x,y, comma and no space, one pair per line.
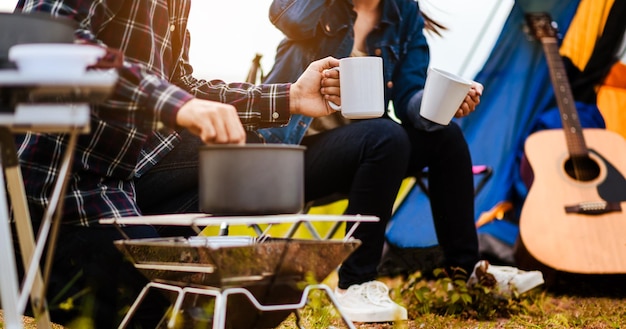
586,27
587,78
612,99
517,91
519,100
606,69
520,76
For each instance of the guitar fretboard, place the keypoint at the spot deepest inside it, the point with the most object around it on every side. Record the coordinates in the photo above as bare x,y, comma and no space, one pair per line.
543,30
565,101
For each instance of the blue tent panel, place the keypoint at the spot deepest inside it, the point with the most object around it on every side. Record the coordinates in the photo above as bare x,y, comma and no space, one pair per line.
517,91
412,223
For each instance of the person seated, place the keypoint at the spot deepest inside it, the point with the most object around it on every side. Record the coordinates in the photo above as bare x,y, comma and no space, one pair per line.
393,30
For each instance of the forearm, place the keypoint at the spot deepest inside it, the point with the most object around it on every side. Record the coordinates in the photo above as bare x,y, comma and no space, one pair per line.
266,104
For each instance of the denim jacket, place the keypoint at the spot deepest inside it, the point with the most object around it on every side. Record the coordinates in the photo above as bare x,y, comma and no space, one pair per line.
316,29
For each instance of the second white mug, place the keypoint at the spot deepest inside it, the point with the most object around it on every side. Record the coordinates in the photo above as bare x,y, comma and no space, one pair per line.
444,92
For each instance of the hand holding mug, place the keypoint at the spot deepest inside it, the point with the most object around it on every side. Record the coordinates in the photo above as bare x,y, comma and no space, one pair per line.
472,99
447,95
361,87
331,88
305,94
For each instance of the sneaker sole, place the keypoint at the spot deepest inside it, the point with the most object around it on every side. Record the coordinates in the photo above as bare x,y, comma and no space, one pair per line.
528,283
370,318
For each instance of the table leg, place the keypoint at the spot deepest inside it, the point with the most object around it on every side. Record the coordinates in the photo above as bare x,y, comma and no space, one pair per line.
23,226
8,277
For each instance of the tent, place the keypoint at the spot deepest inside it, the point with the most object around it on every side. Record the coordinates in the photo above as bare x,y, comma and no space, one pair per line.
519,100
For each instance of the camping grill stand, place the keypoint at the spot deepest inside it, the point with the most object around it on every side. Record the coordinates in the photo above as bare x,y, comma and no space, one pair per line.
221,294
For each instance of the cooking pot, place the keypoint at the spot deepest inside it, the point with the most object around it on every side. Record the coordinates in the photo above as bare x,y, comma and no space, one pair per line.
251,179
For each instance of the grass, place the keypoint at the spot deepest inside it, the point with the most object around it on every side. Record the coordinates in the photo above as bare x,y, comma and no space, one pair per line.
27,323
594,302
575,301
547,312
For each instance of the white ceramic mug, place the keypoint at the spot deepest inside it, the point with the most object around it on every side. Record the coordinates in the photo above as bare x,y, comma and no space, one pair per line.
362,87
444,92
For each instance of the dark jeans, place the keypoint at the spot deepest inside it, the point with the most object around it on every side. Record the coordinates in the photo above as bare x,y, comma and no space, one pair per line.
444,152
366,161
451,189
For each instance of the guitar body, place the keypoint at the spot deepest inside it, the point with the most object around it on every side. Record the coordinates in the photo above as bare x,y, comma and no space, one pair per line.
587,240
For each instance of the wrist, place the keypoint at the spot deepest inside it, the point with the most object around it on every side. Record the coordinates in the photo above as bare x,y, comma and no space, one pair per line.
293,99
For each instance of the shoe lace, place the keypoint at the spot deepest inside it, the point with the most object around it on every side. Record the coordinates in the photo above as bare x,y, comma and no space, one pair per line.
376,292
483,276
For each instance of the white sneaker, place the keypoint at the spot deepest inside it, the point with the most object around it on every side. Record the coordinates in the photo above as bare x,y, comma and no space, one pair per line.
505,278
369,302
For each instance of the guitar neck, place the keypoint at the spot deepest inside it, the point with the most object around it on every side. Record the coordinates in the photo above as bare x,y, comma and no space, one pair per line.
565,99
541,26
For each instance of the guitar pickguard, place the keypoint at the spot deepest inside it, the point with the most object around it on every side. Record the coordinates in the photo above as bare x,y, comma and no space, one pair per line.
613,187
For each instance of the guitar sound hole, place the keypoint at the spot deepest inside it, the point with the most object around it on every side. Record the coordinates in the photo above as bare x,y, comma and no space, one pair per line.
582,168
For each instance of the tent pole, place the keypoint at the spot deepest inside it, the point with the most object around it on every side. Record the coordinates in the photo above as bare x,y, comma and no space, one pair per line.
483,30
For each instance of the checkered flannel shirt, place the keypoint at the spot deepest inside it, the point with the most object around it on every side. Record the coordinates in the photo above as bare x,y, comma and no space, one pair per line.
133,129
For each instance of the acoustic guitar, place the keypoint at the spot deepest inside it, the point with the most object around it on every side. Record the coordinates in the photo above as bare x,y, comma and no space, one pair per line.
573,219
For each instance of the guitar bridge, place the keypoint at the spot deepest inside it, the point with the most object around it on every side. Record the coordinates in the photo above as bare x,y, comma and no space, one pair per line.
593,208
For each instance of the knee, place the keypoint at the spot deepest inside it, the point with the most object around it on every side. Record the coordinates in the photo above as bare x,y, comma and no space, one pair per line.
453,131
389,137
452,135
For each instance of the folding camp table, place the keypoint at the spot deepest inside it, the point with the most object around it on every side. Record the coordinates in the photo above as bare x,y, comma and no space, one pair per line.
33,104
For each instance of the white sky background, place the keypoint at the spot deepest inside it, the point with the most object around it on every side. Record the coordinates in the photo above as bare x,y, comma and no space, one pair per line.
226,35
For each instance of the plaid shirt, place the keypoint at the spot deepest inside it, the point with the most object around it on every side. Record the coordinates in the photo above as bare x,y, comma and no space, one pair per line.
133,129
